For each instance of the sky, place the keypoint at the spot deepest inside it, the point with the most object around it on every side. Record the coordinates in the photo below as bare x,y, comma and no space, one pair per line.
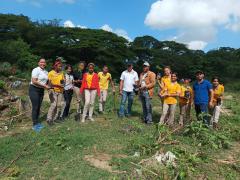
200,24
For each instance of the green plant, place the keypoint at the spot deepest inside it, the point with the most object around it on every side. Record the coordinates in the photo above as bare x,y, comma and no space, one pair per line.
2,84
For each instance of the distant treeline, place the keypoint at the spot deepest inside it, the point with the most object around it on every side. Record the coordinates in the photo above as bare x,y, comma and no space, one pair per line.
22,42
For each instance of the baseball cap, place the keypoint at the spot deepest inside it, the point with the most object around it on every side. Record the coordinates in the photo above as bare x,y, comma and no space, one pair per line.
146,64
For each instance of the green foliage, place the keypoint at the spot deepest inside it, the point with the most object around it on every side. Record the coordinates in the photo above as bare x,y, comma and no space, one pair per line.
203,136
2,84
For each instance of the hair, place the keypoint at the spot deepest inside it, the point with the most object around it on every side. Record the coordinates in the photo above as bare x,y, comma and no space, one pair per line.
56,63
82,62
167,67
215,77
69,66
105,66
91,64
176,74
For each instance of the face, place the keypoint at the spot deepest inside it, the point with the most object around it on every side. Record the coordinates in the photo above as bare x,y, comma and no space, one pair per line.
215,82
91,69
81,66
130,67
105,69
186,81
167,71
59,67
174,78
69,70
145,68
199,76
42,63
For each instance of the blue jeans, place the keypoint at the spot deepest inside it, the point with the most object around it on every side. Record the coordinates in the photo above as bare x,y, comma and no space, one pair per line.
126,96
146,106
202,109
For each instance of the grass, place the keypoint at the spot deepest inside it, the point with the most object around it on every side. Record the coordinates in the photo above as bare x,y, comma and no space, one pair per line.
59,152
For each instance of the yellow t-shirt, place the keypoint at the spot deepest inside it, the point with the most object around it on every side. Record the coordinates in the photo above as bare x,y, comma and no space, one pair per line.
217,92
165,80
55,79
171,88
89,79
104,80
183,101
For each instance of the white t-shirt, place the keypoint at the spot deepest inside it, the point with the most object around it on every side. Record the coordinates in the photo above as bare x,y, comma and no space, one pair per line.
40,74
68,81
129,80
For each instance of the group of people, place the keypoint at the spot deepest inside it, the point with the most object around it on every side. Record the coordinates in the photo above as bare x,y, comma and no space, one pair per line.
86,84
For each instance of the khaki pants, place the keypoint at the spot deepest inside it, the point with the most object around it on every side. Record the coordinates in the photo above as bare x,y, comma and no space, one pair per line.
102,99
90,96
215,112
185,110
56,107
79,97
168,108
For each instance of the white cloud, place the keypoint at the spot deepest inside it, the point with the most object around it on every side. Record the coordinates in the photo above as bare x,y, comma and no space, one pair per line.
106,27
195,20
70,24
119,32
196,45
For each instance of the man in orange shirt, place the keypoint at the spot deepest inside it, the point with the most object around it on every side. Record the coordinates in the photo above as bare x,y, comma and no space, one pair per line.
170,93
146,86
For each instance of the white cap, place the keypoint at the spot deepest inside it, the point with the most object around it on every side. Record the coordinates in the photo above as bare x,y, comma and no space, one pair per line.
146,64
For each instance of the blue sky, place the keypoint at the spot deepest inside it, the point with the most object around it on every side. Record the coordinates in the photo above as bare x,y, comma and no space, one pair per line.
129,18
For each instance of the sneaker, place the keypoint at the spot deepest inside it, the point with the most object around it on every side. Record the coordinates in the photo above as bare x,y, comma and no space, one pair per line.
40,126
91,119
36,128
50,123
77,117
82,121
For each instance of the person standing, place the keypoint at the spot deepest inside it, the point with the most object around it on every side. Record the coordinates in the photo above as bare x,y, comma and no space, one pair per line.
128,80
218,91
104,78
185,102
166,79
68,91
36,92
146,86
203,97
56,81
170,93
90,88
78,76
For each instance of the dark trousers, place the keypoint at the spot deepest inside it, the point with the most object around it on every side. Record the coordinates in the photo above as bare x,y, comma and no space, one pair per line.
202,109
36,96
67,98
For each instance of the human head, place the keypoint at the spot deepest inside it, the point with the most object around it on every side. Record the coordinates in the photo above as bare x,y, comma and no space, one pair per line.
167,70
69,69
42,63
105,69
57,66
81,65
174,77
186,81
215,81
146,67
199,75
91,67
129,66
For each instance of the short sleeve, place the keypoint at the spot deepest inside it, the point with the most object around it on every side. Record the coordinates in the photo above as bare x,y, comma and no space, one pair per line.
122,76
178,89
49,75
99,74
136,77
209,85
110,76
35,73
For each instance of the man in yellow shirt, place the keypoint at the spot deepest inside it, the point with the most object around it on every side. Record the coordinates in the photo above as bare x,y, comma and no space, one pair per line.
104,79
170,93
218,91
56,82
185,101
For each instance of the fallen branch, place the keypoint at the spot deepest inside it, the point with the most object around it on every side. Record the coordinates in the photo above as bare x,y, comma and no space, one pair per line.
171,143
145,168
160,140
227,161
18,157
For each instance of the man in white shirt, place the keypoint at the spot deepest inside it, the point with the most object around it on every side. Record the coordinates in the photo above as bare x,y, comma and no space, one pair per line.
128,79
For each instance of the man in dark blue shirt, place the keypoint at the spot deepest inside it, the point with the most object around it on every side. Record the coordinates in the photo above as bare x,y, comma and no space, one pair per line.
203,96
